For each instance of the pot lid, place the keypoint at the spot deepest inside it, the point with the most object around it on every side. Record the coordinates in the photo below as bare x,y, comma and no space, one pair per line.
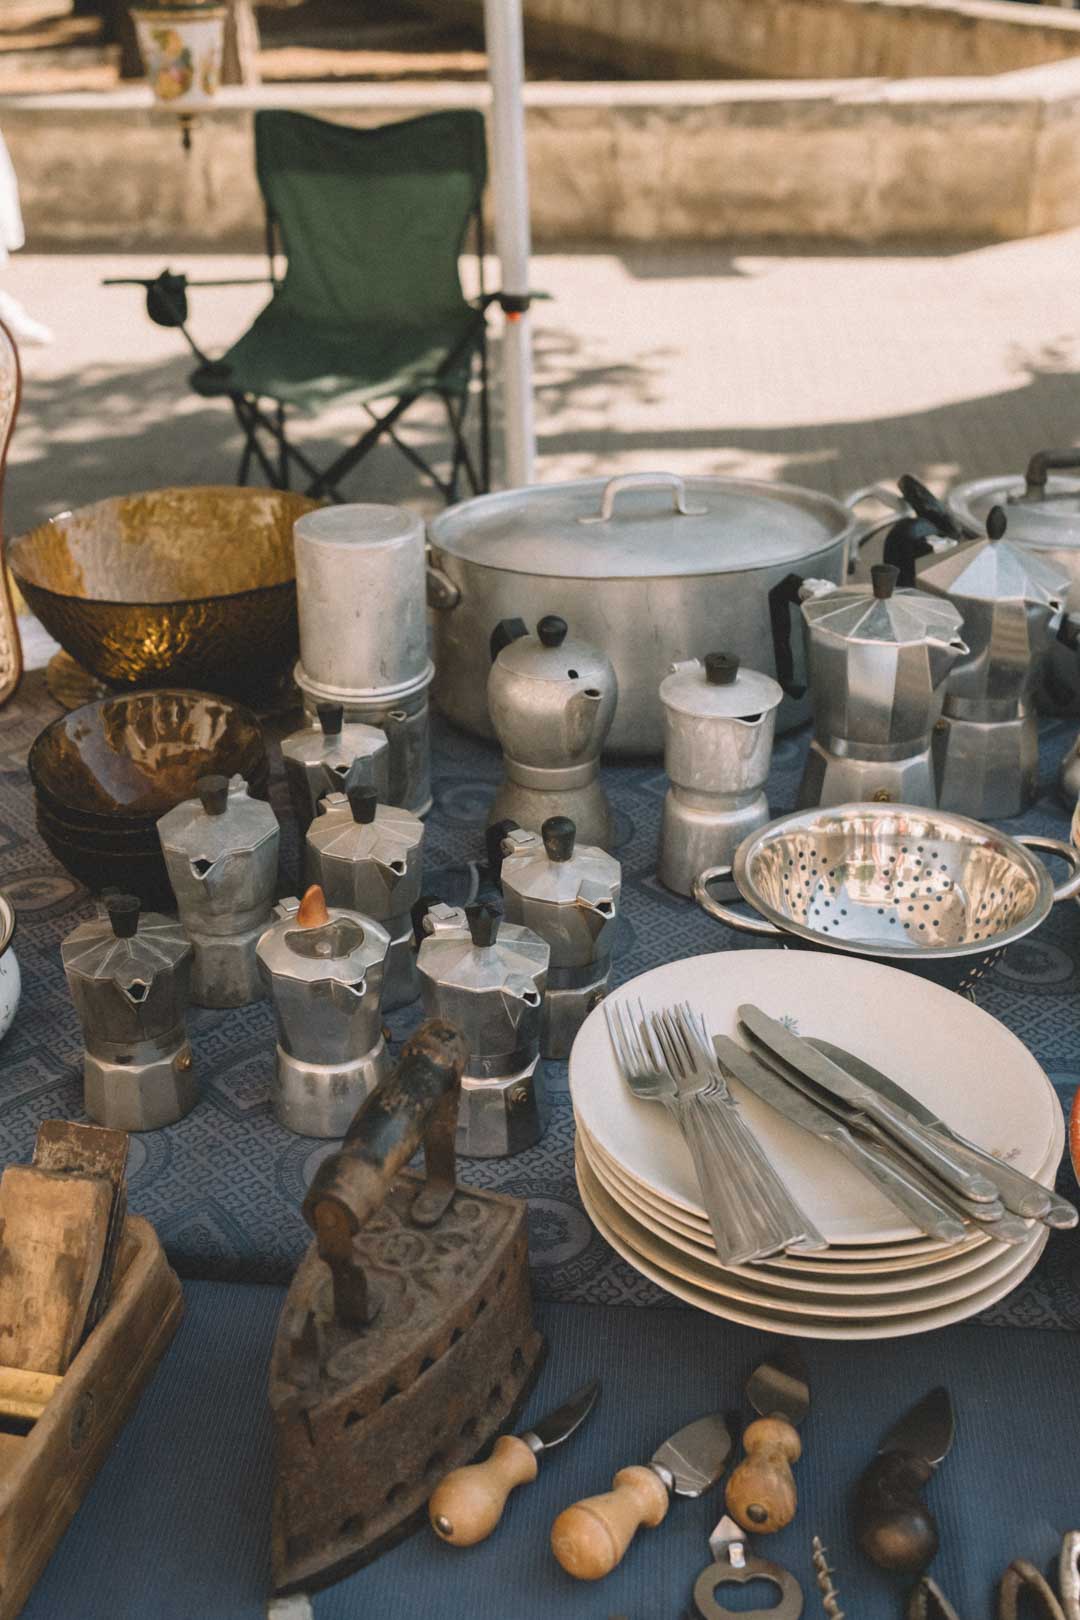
1043,504
313,745
899,617
354,827
334,944
124,944
223,820
642,525
587,874
717,687
515,959
996,570
552,654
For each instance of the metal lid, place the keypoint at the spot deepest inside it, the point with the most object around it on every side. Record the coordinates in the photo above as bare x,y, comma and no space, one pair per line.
1043,506
362,523
907,616
244,824
726,524
94,949
336,749
688,690
996,570
390,835
515,960
341,948
548,656
589,875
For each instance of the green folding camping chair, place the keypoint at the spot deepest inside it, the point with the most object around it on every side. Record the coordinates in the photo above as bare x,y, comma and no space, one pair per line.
371,224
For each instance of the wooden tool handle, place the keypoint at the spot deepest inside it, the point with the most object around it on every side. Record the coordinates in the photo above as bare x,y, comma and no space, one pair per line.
761,1493
892,1523
590,1538
467,1505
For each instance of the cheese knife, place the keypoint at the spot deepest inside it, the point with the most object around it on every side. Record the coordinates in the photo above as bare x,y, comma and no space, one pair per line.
590,1538
761,1493
929,1215
893,1526
923,1145
466,1506
1018,1192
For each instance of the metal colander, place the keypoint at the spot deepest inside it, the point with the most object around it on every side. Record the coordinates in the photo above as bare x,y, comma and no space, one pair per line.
916,888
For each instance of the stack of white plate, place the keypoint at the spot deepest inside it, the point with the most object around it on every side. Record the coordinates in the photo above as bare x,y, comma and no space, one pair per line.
879,1277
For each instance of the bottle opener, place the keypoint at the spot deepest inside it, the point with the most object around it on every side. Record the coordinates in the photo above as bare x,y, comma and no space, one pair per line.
733,1566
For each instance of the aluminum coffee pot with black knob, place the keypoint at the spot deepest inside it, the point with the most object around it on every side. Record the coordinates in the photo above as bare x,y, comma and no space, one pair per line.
221,854
129,974
551,699
568,893
332,757
487,978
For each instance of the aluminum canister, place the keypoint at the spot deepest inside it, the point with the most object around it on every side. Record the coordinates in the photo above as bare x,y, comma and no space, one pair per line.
487,978
221,853
719,721
568,895
369,857
551,699
129,979
360,583
332,757
324,969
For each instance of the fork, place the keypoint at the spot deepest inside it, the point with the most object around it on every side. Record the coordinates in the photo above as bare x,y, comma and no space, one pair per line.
708,1134
690,1050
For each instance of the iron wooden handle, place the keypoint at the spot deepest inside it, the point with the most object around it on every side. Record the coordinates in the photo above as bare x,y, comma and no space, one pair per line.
761,1494
590,1538
468,1504
893,1526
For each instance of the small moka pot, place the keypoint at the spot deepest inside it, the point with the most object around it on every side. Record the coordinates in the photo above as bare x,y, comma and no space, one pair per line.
487,978
221,853
332,757
324,969
129,978
369,858
569,895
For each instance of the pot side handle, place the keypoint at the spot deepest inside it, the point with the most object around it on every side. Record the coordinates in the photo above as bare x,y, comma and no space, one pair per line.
1055,846
722,913
644,480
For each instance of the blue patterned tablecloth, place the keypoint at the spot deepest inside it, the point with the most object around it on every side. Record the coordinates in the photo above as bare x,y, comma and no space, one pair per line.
223,1186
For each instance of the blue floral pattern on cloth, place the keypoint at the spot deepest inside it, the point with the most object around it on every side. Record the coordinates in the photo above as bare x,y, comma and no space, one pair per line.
223,1186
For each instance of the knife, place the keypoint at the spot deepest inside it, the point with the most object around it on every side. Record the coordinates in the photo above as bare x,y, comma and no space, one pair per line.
1018,1192
893,1526
590,1538
929,1148
927,1212
466,1506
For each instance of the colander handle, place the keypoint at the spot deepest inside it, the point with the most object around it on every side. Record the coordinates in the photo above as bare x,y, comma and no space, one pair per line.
1055,846
745,925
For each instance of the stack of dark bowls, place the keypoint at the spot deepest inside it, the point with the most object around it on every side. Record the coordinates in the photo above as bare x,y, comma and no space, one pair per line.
104,774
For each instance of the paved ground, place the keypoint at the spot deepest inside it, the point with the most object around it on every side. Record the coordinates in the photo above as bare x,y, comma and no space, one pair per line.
830,371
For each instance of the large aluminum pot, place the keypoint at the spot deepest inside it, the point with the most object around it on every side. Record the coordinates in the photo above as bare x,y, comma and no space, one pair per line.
649,567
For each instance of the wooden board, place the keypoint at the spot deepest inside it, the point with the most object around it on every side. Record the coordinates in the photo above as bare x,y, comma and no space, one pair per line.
53,1231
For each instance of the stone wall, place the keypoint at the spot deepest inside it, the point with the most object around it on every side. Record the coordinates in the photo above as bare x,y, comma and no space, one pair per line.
801,39
863,161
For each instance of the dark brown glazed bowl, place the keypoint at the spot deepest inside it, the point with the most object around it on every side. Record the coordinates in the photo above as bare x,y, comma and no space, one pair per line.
119,764
172,587
138,871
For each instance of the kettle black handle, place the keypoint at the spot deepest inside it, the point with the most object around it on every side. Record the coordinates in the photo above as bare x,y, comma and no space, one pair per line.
783,598
506,631
893,1526
907,541
493,842
1045,461
925,504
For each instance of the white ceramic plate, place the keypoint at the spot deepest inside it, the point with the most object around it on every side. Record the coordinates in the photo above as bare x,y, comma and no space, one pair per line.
943,1049
844,1304
830,1263
850,1284
822,1327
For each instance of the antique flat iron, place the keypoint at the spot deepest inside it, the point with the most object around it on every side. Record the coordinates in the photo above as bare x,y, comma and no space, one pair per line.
407,1340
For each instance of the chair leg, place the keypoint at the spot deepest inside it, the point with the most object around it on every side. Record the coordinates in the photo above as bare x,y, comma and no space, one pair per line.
485,417
250,419
283,447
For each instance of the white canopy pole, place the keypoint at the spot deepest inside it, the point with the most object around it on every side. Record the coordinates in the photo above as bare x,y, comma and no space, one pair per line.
506,71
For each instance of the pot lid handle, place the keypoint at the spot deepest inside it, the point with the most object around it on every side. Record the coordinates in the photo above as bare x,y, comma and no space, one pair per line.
721,669
552,630
884,577
996,522
123,910
644,480
483,921
559,834
331,717
213,794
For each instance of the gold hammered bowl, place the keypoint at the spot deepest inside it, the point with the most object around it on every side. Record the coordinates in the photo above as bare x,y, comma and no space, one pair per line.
174,587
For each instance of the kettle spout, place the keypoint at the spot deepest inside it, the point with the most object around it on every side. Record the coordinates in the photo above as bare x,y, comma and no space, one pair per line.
585,715
348,997
211,874
943,655
520,997
598,913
